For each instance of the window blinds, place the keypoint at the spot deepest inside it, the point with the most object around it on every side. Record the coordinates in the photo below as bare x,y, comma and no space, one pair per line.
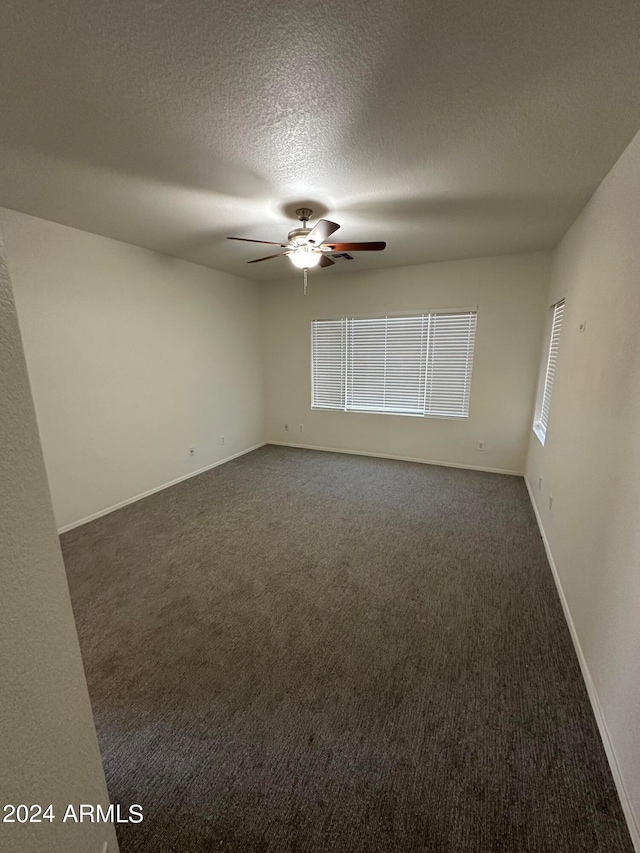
328,352
416,365
550,372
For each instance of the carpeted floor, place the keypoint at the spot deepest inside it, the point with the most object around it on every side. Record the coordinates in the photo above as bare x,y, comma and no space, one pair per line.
300,652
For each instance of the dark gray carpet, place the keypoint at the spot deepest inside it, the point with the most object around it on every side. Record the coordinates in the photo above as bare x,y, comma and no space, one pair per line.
304,651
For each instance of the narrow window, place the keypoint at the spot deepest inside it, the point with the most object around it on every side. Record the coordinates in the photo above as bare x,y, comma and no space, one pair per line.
545,388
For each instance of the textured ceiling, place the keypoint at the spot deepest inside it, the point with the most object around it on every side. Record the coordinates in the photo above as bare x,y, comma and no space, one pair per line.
450,129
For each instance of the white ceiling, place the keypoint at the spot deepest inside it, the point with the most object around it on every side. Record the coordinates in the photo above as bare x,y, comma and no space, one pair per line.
448,128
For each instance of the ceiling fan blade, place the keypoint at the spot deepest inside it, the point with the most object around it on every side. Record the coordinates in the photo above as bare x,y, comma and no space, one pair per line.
321,230
268,257
325,262
268,242
354,247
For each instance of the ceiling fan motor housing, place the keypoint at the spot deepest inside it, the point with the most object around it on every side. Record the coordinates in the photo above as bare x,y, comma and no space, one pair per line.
299,235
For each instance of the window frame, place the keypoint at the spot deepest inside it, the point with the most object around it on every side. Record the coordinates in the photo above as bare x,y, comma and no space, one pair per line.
393,315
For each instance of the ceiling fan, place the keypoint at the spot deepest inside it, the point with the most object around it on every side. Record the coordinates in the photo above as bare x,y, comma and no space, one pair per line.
311,247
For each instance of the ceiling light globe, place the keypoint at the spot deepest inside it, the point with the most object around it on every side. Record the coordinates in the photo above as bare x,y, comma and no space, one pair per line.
304,258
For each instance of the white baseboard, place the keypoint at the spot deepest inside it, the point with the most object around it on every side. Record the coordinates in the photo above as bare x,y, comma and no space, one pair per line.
401,458
146,494
591,690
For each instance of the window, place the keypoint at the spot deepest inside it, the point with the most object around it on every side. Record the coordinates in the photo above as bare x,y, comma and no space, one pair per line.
416,365
545,387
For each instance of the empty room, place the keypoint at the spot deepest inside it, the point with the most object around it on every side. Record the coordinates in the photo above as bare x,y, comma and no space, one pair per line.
319,422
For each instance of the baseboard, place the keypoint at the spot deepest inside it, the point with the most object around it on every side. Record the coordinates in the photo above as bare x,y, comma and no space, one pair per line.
591,690
146,494
400,458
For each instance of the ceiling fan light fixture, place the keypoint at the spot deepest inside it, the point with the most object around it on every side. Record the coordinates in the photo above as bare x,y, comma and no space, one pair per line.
304,258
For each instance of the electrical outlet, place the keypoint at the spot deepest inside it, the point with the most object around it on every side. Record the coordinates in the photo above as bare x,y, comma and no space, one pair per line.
539,482
481,445
192,451
221,439
286,427
301,428
550,501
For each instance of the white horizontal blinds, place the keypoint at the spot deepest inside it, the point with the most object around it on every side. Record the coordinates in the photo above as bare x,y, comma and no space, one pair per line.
328,354
417,365
449,360
385,358
556,326
405,355
366,364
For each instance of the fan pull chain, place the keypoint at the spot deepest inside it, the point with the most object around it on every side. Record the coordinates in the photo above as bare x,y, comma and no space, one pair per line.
304,272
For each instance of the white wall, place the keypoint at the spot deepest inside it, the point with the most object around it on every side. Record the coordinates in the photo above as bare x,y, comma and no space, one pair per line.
133,358
49,751
591,459
509,293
